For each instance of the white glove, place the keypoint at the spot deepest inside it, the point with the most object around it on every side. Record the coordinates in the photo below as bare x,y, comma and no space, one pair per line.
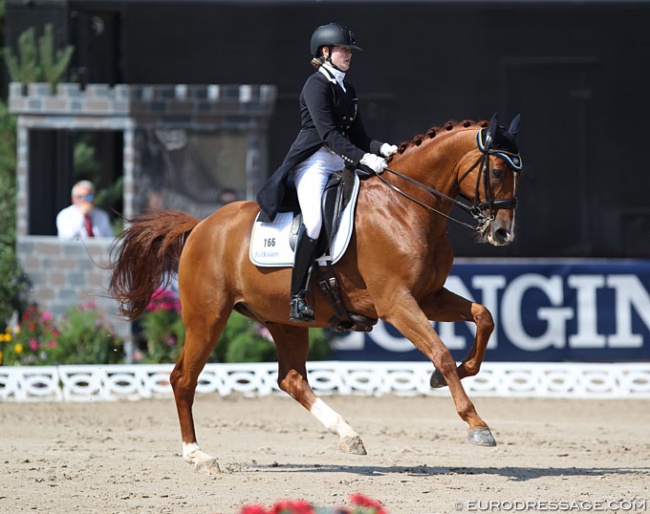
387,149
374,163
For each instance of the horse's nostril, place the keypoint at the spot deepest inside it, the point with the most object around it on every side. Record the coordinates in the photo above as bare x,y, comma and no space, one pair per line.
502,235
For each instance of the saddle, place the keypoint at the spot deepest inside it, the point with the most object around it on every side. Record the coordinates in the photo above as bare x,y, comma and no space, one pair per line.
336,197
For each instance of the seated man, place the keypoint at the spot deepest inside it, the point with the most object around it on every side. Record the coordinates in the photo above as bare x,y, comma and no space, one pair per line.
82,219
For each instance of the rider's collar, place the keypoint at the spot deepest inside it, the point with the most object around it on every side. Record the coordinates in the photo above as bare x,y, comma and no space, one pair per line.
334,75
513,158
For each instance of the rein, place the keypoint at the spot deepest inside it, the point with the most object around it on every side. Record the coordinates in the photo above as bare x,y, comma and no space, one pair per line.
477,209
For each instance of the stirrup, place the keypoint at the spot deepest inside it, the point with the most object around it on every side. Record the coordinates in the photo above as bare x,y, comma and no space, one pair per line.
301,310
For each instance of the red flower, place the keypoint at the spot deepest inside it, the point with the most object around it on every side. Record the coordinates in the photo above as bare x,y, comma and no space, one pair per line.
253,509
292,507
361,500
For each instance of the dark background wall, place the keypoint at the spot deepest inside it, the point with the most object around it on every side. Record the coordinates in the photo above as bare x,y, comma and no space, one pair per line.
576,71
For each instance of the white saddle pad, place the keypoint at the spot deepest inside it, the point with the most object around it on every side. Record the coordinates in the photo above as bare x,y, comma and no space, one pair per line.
270,246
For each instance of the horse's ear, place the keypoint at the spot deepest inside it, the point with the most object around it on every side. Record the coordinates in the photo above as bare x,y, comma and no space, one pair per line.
494,123
489,134
514,126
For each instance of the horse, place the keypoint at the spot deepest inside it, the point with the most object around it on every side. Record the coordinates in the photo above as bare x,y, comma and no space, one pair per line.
394,269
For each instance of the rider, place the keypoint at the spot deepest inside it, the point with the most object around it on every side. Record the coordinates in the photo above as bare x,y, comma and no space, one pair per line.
331,136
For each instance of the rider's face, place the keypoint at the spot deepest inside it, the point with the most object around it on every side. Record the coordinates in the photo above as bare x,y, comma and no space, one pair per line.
341,56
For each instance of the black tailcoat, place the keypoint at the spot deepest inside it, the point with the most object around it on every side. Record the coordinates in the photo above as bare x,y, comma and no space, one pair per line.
329,117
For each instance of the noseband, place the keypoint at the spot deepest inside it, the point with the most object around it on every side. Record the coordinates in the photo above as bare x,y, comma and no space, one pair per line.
483,212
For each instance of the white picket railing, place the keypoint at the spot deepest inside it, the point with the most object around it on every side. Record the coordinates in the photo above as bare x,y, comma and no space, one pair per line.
504,379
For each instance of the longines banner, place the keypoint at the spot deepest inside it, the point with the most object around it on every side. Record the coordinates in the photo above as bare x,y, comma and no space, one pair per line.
588,311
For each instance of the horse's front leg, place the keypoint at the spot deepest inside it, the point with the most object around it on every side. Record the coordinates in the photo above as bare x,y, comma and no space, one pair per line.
446,306
407,316
292,344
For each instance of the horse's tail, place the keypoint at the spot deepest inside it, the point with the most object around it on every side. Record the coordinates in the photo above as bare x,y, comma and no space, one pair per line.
145,256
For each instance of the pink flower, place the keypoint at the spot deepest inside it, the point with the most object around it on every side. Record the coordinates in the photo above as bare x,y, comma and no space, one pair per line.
264,332
33,344
47,316
163,299
52,344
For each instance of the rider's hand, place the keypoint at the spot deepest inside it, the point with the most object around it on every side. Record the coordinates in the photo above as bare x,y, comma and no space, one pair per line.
386,149
374,163
85,207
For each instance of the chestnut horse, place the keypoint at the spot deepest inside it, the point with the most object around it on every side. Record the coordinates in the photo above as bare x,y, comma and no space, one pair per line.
394,269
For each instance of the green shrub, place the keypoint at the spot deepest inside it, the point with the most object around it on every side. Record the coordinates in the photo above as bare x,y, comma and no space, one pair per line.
13,283
243,340
81,336
162,336
161,329
87,338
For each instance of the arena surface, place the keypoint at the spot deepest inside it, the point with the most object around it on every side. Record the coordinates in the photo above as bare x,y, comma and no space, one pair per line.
124,457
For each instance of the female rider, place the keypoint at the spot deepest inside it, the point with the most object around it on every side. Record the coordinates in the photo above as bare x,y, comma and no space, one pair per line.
331,136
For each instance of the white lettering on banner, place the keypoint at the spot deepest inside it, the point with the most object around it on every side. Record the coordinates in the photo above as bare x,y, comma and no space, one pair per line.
629,291
511,313
555,317
447,332
587,312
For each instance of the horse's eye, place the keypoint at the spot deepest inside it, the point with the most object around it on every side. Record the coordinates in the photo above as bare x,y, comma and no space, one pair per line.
497,173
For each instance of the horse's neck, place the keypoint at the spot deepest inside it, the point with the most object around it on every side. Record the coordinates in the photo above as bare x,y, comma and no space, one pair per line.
436,162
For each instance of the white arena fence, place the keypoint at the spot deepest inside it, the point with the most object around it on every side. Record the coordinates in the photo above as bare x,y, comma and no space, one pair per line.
81,383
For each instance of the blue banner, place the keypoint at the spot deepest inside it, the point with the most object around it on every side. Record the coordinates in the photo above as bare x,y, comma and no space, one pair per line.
551,311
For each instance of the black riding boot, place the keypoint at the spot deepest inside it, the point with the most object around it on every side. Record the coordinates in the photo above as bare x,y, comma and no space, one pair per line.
304,258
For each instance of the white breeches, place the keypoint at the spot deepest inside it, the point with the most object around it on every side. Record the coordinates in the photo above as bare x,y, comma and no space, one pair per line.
311,177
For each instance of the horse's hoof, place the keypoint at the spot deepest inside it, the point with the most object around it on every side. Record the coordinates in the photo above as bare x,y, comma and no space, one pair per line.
437,380
208,467
481,436
352,445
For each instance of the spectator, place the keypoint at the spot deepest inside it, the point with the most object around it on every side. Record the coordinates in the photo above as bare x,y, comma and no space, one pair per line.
82,219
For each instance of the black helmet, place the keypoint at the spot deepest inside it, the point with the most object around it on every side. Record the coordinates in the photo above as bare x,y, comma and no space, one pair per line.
332,34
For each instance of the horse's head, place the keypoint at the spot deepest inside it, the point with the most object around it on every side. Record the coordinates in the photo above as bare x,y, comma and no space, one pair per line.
491,182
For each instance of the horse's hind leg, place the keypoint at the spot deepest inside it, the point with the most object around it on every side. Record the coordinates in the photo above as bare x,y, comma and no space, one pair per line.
293,346
200,339
450,307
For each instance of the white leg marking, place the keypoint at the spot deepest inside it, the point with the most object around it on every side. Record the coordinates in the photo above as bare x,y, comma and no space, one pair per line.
203,463
193,454
331,419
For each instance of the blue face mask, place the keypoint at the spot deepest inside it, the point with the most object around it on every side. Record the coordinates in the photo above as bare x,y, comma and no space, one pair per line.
513,159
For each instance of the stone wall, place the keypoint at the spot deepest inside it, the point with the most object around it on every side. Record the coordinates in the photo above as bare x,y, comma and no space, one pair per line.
66,274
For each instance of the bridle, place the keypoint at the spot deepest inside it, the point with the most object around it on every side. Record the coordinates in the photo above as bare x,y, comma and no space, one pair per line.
483,212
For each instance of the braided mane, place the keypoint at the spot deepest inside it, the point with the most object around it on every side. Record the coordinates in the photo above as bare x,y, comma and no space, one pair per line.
433,131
